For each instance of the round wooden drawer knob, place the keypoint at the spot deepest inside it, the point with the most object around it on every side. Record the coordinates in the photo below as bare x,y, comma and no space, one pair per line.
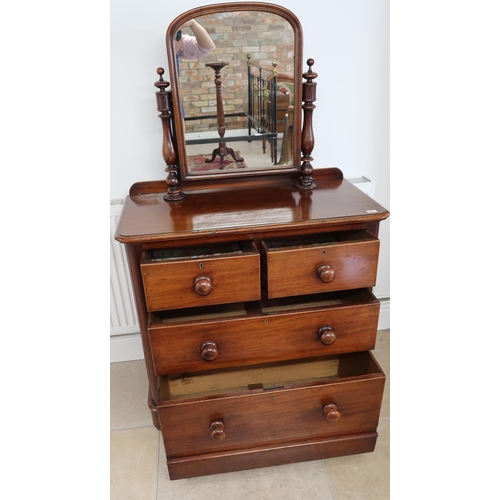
217,432
326,273
203,284
209,350
331,412
327,335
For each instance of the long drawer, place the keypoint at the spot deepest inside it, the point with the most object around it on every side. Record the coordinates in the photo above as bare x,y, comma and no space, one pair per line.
269,404
336,261
194,277
262,332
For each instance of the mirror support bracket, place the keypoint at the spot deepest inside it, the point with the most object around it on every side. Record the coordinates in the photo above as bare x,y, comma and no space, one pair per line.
307,139
165,107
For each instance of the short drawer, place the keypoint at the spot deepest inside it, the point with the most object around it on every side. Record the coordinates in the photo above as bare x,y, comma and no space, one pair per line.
337,261
263,332
259,405
193,277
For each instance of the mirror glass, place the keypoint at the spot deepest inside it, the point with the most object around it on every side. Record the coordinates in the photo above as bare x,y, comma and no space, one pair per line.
237,99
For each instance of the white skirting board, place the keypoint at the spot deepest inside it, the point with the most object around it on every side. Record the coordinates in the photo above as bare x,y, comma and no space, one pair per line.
126,348
129,347
384,319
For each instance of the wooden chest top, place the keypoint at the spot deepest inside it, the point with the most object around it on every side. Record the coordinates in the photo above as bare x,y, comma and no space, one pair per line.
249,206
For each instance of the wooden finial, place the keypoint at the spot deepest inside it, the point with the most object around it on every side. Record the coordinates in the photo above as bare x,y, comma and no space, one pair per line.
161,83
310,63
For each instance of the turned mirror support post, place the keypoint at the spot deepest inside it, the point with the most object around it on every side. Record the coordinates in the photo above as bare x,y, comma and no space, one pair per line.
307,140
165,107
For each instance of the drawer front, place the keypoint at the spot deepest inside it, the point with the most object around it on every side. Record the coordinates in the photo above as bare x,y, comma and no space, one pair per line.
214,424
201,281
344,265
266,337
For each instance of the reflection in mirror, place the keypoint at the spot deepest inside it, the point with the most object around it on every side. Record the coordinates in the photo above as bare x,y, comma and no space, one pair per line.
237,101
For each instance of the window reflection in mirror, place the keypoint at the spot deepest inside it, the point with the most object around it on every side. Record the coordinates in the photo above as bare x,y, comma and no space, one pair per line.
238,116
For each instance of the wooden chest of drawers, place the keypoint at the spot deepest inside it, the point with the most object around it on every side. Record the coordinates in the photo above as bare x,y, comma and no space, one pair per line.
257,320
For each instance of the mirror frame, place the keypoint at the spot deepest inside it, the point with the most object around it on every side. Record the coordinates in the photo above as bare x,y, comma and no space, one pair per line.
197,12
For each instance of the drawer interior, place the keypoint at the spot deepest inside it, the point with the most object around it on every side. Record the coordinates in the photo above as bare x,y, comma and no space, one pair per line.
262,307
194,314
319,240
274,376
198,252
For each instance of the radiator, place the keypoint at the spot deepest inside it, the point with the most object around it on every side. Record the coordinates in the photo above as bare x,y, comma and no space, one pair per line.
366,185
122,311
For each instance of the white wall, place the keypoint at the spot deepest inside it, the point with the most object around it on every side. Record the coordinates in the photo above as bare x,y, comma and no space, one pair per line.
349,41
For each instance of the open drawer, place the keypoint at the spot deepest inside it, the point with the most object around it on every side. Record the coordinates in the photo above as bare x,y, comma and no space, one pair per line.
336,261
260,405
262,332
199,276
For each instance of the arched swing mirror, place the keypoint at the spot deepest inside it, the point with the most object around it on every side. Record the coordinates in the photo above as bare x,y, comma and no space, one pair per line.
237,107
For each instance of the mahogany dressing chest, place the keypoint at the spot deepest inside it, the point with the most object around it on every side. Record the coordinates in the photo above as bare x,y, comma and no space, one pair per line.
257,320
254,293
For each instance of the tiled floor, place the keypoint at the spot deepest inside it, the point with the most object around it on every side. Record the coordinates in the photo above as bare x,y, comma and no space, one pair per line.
138,468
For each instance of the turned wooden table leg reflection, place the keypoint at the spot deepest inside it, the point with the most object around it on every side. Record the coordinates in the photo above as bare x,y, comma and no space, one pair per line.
222,150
